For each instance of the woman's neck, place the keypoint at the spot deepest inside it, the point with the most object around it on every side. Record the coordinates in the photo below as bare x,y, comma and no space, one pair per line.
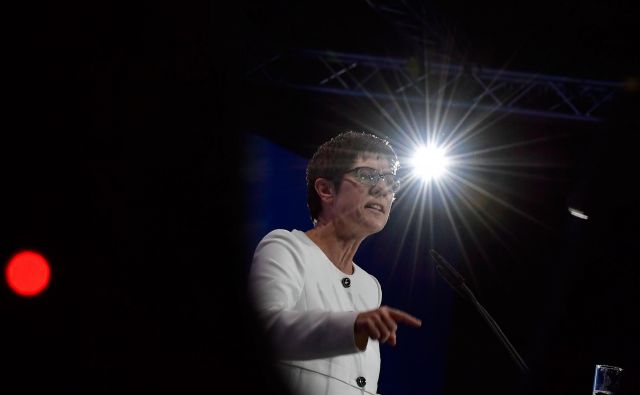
339,250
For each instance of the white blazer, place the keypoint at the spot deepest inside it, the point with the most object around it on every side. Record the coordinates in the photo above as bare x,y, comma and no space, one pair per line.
309,308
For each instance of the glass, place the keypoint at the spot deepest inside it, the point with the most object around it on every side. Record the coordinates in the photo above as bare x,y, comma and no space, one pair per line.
371,177
606,380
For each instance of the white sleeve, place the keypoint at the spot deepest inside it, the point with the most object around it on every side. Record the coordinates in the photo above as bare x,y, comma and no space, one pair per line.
276,282
379,289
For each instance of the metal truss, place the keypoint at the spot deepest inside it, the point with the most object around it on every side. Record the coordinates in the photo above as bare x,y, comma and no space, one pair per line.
441,83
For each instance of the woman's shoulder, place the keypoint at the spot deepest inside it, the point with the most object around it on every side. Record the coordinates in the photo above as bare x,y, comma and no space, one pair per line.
363,274
294,238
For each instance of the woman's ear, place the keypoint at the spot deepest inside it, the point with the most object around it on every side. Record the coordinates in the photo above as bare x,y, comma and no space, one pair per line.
325,189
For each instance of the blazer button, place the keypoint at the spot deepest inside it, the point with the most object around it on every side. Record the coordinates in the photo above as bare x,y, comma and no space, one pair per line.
361,381
346,282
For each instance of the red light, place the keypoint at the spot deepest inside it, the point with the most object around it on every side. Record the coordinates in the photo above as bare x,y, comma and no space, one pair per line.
28,273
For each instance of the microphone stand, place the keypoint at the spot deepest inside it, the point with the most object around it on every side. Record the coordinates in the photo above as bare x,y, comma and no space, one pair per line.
456,281
496,329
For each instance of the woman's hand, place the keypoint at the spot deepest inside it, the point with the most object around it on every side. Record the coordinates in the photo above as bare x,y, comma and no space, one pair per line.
381,324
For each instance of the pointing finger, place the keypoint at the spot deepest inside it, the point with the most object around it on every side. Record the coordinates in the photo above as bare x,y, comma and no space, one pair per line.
405,318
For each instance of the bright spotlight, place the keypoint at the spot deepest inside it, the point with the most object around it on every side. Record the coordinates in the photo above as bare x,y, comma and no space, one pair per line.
429,162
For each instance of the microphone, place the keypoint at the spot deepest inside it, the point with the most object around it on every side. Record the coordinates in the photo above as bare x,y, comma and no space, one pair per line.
456,281
451,275
447,271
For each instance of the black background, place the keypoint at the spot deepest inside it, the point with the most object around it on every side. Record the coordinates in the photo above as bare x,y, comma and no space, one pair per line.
121,156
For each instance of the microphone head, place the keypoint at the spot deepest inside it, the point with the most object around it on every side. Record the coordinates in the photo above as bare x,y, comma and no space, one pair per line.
446,269
451,276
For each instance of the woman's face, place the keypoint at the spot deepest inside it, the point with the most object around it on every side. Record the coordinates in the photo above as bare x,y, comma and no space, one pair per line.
359,209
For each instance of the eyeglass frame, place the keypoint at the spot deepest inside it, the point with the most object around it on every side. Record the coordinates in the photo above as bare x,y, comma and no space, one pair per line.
394,186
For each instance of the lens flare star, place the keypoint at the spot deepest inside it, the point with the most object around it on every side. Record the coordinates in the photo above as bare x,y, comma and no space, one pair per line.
464,171
429,162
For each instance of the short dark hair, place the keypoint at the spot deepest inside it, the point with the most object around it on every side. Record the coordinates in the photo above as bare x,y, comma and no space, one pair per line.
336,156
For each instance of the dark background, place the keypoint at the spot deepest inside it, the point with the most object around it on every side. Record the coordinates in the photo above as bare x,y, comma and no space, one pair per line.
124,162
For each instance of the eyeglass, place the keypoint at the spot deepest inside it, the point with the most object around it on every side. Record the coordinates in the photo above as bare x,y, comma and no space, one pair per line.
371,177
